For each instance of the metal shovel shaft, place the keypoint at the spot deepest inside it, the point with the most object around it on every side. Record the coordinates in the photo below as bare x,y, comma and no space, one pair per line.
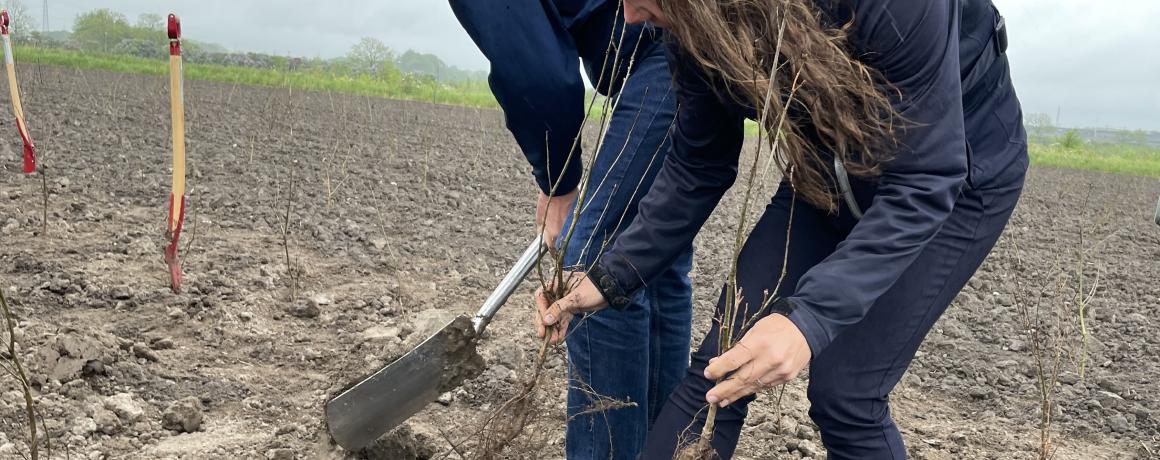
508,285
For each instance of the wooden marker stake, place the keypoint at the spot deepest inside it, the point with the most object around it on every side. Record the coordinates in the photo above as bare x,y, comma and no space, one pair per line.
177,194
29,148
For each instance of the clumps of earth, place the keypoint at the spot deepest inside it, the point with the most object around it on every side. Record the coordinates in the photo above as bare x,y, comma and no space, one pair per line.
76,377
400,443
461,359
406,215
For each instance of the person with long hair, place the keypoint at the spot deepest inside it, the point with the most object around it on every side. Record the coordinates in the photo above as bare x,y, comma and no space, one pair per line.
902,155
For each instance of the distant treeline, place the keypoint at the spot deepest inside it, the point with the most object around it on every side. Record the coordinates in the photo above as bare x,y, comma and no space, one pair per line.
108,32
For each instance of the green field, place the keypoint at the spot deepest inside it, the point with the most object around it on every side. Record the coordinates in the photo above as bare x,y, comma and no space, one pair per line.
474,95
1136,160
1113,158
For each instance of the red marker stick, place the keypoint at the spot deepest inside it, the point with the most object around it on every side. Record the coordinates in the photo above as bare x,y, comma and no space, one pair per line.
177,194
29,148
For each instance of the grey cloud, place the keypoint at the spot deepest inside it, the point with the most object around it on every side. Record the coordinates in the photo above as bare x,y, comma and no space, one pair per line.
1099,62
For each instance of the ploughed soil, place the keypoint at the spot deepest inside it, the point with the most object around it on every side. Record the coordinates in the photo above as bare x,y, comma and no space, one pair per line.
402,215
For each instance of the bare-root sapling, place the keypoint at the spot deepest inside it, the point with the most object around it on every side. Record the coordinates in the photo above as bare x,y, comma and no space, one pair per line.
12,366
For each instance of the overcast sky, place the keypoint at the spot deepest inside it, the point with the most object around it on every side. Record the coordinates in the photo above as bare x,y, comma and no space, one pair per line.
1095,62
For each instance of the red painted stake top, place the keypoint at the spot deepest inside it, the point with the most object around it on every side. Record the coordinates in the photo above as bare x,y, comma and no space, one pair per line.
29,149
174,35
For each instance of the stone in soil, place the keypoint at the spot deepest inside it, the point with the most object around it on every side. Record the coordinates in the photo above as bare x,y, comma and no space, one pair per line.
805,432
125,406
1119,424
183,416
93,367
66,358
808,449
1110,385
376,333
107,422
281,454
980,392
789,426
163,344
143,351
304,310
321,299
121,292
428,322
84,426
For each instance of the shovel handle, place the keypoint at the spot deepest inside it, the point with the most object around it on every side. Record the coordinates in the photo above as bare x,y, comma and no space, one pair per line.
506,287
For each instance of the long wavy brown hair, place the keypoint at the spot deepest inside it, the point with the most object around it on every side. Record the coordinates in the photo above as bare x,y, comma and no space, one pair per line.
833,98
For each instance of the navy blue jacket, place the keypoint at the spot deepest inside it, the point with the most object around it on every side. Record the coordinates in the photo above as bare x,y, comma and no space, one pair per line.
535,49
916,45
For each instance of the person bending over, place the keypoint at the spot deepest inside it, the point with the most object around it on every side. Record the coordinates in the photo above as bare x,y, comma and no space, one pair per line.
913,98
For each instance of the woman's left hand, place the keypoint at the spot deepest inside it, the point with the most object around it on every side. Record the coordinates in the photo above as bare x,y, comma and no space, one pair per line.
771,353
582,297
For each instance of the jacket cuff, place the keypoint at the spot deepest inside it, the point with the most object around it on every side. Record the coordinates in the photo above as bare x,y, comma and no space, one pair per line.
807,322
782,307
568,176
609,287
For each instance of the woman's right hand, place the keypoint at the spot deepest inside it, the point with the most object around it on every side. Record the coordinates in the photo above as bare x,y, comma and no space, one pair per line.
581,297
551,213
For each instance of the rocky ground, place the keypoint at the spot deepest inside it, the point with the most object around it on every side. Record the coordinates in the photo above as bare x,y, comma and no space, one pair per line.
404,214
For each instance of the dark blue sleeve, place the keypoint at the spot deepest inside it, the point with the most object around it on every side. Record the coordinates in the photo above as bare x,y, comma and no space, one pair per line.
700,168
535,76
914,44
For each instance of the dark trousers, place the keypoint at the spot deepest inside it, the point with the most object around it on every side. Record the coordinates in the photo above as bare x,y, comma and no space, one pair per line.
851,380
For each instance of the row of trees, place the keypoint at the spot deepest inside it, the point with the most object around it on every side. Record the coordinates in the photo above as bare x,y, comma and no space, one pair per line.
109,32
371,56
1043,129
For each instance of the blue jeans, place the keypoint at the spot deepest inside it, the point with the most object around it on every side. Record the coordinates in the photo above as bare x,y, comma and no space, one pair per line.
640,354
